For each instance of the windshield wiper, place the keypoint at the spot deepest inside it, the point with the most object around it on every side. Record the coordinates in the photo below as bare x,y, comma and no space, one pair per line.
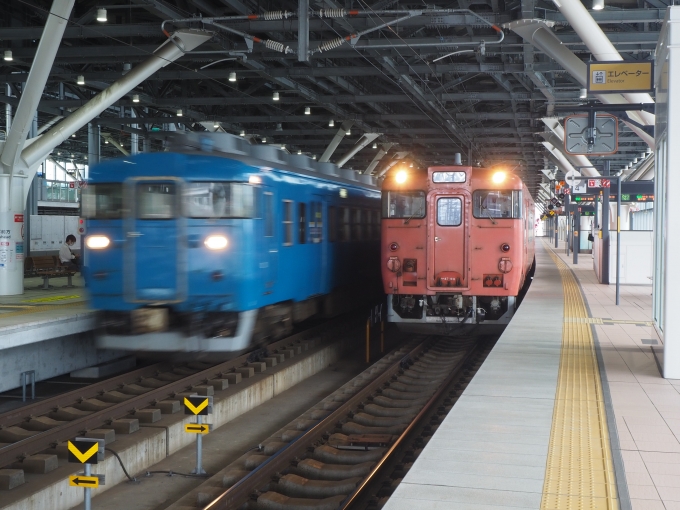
489,216
410,218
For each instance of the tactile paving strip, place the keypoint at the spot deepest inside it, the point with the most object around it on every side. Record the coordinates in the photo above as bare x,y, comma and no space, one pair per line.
579,470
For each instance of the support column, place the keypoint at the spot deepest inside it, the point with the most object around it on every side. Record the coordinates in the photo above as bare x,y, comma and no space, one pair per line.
8,110
303,31
604,267
666,299
134,137
326,156
93,144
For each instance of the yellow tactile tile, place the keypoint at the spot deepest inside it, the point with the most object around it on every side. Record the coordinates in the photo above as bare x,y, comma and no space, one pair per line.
579,471
27,310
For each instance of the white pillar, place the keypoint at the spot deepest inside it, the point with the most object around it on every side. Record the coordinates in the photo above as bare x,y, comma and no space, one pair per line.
666,298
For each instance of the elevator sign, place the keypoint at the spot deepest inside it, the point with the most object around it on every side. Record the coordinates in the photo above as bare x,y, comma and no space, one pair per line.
620,76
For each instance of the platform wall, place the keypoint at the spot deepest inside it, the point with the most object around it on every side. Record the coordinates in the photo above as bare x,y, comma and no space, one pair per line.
50,358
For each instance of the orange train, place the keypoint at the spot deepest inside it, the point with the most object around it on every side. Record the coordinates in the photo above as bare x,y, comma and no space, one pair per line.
457,248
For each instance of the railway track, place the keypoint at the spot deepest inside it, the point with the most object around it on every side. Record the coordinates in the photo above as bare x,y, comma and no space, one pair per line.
119,404
367,432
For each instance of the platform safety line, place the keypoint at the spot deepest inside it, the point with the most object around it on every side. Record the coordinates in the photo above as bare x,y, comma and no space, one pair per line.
40,308
579,469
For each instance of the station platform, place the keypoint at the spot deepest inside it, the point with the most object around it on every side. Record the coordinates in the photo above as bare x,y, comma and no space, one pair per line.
568,411
47,332
40,314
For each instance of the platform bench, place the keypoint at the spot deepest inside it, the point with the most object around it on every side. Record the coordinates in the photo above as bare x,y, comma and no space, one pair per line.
48,267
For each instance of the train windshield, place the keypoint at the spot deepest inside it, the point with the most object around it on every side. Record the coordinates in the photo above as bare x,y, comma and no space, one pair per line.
497,204
156,201
103,201
403,204
219,200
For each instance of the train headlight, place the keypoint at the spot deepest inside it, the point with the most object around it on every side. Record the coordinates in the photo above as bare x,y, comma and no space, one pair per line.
401,177
498,177
97,242
216,242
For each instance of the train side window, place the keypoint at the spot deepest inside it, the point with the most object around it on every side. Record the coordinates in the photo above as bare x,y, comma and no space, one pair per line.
332,224
356,225
268,214
316,223
302,223
449,212
287,222
345,225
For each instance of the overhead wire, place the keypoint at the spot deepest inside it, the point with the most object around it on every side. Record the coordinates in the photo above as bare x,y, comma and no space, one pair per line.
394,82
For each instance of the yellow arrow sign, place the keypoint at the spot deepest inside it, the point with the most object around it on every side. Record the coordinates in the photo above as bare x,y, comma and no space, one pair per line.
197,428
83,456
195,409
90,482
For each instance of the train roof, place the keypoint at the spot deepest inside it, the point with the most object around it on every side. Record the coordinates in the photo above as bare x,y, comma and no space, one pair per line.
244,154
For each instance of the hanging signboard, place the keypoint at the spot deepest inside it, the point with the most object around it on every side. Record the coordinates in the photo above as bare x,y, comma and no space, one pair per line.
579,140
620,76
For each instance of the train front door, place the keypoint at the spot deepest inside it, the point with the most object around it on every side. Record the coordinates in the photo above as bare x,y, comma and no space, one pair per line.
447,236
155,254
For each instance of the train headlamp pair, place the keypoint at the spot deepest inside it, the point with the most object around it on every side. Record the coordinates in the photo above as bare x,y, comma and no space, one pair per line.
212,242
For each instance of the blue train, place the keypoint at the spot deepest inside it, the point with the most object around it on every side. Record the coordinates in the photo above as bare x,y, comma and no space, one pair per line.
218,245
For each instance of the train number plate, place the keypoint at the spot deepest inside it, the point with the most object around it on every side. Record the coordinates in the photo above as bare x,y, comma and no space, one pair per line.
149,320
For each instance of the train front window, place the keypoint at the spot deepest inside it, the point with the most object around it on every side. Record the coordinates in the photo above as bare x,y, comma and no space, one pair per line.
156,201
449,212
103,201
219,200
497,204
403,204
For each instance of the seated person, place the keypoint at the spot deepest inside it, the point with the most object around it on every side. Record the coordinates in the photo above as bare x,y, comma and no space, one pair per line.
66,256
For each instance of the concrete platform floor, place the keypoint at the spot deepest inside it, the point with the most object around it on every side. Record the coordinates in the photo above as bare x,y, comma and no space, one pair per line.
227,443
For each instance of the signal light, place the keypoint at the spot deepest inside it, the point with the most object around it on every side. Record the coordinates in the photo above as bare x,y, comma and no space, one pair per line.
505,247
394,247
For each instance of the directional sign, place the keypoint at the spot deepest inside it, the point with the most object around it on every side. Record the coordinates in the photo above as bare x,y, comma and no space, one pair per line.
90,482
82,450
197,428
621,76
599,183
196,405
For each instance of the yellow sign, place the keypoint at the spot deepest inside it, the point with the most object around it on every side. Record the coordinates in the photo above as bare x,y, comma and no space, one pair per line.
197,428
49,299
620,76
84,456
194,406
88,482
